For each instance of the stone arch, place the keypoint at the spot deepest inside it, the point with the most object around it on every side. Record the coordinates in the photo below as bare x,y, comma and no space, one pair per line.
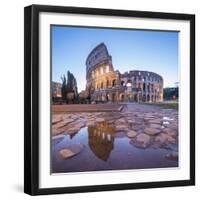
122,97
114,82
144,86
123,83
103,97
140,85
152,98
113,96
100,97
148,87
135,97
107,97
152,87
144,97
142,78
129,96
101,85
104,83
148,98
128,83
107,83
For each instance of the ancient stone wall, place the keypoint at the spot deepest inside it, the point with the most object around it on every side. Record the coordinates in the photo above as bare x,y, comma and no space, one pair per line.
104,84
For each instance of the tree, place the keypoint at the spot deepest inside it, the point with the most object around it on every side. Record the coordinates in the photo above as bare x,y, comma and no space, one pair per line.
72,87
64,89
70,97
69,88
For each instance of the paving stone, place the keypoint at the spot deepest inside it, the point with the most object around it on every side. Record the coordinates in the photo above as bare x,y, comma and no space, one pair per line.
152,131
132,134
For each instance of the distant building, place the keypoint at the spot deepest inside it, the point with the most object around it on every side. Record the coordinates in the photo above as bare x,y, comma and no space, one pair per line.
171,93
105,84
56,91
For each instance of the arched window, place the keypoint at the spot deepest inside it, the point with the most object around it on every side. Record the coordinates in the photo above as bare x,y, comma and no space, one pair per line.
114,82
151,87
148,98
140,85
144,86
129,83
101,84
148,87
107,83
122,83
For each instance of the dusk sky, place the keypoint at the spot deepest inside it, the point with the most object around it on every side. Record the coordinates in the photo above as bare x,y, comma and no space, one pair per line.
155,51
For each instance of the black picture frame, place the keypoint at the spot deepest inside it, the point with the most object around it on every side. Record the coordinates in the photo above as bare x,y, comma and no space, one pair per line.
31,98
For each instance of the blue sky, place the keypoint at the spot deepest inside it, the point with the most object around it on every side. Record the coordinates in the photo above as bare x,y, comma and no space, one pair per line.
155,51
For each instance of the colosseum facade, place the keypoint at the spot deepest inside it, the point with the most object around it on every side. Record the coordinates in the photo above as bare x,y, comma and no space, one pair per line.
104,84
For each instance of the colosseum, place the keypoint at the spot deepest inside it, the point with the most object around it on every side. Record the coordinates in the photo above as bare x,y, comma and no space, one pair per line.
104,84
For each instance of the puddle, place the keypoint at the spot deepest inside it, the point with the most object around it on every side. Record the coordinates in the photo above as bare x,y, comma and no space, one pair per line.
106,149
167,119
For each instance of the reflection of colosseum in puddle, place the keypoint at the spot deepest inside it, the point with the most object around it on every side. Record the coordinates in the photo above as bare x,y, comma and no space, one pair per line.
105,84
101,140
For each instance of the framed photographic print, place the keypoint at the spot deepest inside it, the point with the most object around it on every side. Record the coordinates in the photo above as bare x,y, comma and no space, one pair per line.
109,100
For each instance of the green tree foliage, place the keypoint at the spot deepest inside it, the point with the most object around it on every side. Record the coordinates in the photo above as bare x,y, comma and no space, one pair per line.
64,89
171,93
69,88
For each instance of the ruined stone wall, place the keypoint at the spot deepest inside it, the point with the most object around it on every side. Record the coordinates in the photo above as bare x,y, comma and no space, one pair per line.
104,84
143,86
